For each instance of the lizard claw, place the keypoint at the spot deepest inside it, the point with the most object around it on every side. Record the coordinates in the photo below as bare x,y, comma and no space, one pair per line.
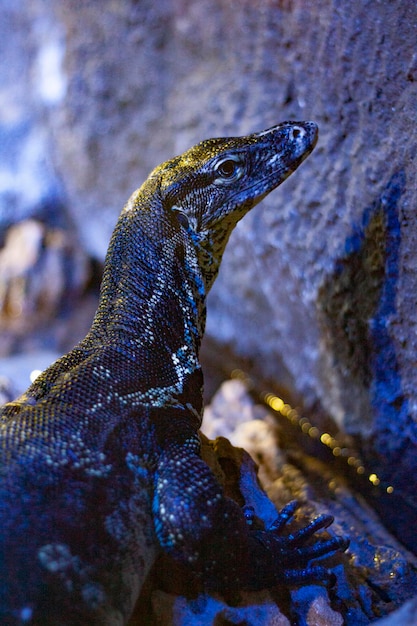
289,558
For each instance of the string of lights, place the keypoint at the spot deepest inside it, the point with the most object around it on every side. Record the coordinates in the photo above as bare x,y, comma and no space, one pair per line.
304,425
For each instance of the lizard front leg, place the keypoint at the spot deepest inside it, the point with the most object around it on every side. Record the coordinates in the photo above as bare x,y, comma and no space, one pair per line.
194,522
212,536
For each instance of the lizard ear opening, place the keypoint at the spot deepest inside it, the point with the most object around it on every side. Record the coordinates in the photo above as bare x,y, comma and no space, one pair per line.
181,216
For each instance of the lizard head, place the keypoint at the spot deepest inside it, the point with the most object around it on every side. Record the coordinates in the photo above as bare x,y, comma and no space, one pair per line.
211,186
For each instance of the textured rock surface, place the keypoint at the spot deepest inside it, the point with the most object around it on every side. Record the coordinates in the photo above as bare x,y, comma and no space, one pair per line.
406,616
32,85
317,287
41,272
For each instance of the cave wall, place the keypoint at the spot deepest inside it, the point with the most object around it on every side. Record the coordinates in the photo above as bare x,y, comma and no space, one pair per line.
318,284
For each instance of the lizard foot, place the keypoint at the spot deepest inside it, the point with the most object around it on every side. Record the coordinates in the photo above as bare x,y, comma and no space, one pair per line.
286,559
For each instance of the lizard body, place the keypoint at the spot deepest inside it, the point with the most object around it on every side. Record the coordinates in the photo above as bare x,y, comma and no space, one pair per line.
100,458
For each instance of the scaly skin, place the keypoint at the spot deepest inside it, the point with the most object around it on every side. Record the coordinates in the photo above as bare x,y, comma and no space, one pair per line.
100,465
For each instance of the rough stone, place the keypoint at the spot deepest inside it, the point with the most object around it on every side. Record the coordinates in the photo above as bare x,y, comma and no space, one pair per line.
405,616
41,269
32,84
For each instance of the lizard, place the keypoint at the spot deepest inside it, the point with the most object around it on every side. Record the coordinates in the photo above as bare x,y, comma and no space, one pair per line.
100,458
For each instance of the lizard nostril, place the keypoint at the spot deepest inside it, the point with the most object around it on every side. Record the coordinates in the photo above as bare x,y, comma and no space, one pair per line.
297,132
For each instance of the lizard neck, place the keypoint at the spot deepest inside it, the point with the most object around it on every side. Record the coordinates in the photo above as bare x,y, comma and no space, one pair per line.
151,280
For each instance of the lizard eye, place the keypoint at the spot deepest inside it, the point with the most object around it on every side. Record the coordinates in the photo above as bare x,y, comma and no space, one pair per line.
228,169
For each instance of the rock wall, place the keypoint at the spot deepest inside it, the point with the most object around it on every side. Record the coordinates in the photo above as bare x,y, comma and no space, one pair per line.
318,285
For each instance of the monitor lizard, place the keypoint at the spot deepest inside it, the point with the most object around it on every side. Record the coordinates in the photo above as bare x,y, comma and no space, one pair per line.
100,457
